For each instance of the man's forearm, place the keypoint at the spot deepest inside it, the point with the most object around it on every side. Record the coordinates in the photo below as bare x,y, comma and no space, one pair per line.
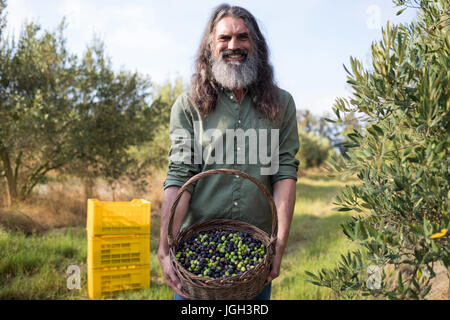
284,198
170,194
169,197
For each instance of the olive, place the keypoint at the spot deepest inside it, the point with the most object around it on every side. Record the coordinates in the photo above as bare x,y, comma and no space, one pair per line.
220,253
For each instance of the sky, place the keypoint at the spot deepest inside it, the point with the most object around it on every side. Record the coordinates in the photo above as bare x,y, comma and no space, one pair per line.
309,40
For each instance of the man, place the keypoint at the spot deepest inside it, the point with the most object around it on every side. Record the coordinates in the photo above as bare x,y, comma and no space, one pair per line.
232,90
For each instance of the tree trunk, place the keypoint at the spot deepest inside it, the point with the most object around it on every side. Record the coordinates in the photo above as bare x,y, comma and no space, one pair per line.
11,182
112,185
8,201
88,188
113,193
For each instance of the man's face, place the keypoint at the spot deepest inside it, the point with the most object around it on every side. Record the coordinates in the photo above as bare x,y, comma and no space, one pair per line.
234,63
231,34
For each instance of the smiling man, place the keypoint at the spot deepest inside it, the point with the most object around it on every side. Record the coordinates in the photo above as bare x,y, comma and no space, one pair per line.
232,90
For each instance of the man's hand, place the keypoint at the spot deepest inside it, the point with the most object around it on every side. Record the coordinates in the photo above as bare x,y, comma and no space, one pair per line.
171,278
276,263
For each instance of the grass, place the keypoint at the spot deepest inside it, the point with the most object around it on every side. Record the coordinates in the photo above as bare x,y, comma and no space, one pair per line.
34,266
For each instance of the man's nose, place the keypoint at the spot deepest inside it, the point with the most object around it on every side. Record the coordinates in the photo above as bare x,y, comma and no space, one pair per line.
233,44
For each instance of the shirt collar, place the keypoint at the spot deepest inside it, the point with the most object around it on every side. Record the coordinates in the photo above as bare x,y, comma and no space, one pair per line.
229,92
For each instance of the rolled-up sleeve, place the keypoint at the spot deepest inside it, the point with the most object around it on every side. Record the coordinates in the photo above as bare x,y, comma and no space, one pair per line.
289,145
181,155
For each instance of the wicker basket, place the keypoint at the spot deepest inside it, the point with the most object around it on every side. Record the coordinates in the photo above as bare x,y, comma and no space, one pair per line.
244,286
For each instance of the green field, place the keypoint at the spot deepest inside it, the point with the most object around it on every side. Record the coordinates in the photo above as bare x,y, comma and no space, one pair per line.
34,266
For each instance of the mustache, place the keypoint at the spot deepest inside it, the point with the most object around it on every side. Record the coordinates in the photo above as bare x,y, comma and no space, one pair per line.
225,53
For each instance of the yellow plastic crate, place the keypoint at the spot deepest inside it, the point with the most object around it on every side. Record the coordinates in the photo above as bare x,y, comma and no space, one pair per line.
111,281
118,218
113,251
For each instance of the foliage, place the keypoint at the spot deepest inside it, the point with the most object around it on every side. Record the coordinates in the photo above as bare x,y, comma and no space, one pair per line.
155,152
3,4
314,150
317,139
402,161
333,130
308,122
112,115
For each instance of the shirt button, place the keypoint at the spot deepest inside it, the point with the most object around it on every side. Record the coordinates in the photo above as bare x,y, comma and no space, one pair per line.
235,204
238,148
239,121
231,97
237,176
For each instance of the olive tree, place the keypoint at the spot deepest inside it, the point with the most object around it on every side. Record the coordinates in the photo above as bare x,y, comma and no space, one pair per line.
62,113
36,90
401,158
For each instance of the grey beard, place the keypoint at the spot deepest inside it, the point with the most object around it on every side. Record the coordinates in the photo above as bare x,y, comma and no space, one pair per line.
235,75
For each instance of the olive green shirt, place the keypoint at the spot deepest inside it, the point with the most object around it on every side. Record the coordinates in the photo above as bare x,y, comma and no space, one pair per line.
199,144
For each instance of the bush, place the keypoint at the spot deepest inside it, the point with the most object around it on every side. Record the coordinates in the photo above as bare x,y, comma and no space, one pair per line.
314,150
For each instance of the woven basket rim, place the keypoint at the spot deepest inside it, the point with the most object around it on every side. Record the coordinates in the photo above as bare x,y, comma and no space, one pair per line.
170,236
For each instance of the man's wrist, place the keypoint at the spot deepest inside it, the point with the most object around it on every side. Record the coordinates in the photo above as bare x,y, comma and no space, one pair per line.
281,243
163,250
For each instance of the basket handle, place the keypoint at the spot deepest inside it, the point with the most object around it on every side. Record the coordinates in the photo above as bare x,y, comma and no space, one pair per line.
242,174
